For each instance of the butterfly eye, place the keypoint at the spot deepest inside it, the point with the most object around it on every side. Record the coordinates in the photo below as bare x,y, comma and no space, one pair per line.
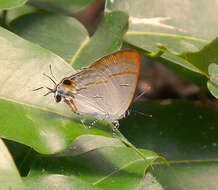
58,98
67,82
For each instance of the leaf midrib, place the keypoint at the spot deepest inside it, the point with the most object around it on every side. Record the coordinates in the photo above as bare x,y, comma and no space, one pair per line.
82,45
133,32
115,171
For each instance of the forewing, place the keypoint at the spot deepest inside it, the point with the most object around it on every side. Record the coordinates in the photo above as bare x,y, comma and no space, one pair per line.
107,87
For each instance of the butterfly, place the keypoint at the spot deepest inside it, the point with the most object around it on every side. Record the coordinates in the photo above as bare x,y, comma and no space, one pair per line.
104,90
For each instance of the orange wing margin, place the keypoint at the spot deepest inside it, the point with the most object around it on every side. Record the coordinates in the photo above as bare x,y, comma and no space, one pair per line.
128,54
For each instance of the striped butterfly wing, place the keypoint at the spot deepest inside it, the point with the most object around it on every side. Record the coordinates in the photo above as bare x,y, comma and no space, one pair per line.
107,87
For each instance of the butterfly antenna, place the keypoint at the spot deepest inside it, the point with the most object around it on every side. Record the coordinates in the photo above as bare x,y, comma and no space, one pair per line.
38,88
52,72
49,91
53,80
50,78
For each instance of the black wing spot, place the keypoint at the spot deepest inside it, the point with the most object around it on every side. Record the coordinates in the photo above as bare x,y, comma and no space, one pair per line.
67,82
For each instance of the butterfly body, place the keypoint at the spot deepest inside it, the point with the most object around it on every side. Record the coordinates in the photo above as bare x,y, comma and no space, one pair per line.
103,90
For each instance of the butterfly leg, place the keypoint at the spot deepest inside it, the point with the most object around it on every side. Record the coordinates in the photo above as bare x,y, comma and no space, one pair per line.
83,123
71,104
92,123
116,126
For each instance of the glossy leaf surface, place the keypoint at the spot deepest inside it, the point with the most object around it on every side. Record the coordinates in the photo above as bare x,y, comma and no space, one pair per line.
35,120
103,168
156,25
68,38
9,4
62,35
107,39
8,171
212,84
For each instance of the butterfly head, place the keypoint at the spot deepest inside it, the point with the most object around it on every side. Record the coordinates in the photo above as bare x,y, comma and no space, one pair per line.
64,89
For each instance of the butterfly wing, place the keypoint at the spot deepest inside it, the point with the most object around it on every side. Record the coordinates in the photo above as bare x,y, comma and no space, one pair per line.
107,87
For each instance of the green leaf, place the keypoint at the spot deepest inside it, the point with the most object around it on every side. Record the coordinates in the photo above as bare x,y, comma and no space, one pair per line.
22,155
184,133
9,176
188,74
201,59
107,39
104,168
212,84
19,11
62,35
150,183
64,6
47,132
27,116
164,26
181,176
75,45
86,143
9,4
173,19
56,182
